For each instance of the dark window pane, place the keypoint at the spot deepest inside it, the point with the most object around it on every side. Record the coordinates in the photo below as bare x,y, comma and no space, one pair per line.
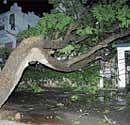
12,21
2,27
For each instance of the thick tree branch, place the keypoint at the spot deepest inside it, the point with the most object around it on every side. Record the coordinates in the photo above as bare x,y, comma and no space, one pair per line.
32,49
61,42
83,60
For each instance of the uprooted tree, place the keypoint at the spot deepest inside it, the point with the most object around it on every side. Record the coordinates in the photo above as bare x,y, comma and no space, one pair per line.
75,34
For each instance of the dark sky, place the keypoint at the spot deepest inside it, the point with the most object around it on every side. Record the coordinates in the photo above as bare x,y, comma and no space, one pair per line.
38,6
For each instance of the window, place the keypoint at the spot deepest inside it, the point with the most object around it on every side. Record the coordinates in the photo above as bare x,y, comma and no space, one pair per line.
29,26
2,27
12,21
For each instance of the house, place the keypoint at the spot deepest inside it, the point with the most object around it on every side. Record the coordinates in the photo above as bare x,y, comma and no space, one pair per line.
123,56
7,39
118,68
109,73
13,22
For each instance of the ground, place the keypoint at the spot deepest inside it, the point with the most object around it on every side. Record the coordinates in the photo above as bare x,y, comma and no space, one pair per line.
54,107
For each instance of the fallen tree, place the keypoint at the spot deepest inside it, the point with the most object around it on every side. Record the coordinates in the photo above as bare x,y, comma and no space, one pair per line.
32,49
88,40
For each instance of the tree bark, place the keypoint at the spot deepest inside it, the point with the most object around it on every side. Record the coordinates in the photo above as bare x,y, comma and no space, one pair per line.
35,49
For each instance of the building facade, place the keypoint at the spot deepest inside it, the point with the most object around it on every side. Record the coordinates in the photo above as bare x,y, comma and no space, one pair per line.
117,69
13,22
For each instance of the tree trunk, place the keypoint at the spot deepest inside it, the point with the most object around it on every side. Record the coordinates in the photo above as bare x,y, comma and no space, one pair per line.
26,52
37,49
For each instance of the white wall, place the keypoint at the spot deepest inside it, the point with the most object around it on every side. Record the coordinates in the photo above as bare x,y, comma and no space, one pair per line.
122,66
22,20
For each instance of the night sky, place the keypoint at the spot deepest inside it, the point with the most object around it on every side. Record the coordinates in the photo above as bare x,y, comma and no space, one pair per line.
38,6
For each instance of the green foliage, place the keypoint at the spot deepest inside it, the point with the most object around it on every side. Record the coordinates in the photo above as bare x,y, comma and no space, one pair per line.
55,21
104,13
4,54
66,50
75,98
36,88
91,78
86,31
86,81
123,15
119,4
71,8
50,26
32,31
99,19
92,74
94,21
115,12
108,84
30,85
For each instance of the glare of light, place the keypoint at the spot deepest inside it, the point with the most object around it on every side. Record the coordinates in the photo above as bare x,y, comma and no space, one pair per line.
4,1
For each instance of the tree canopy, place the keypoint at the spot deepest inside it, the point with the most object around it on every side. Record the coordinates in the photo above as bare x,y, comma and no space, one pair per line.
75,34
81,30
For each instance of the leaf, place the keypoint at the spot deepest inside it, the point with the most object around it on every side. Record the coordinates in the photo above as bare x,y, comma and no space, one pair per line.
67,49
47,25
86,31
123,15
75,98
104,13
